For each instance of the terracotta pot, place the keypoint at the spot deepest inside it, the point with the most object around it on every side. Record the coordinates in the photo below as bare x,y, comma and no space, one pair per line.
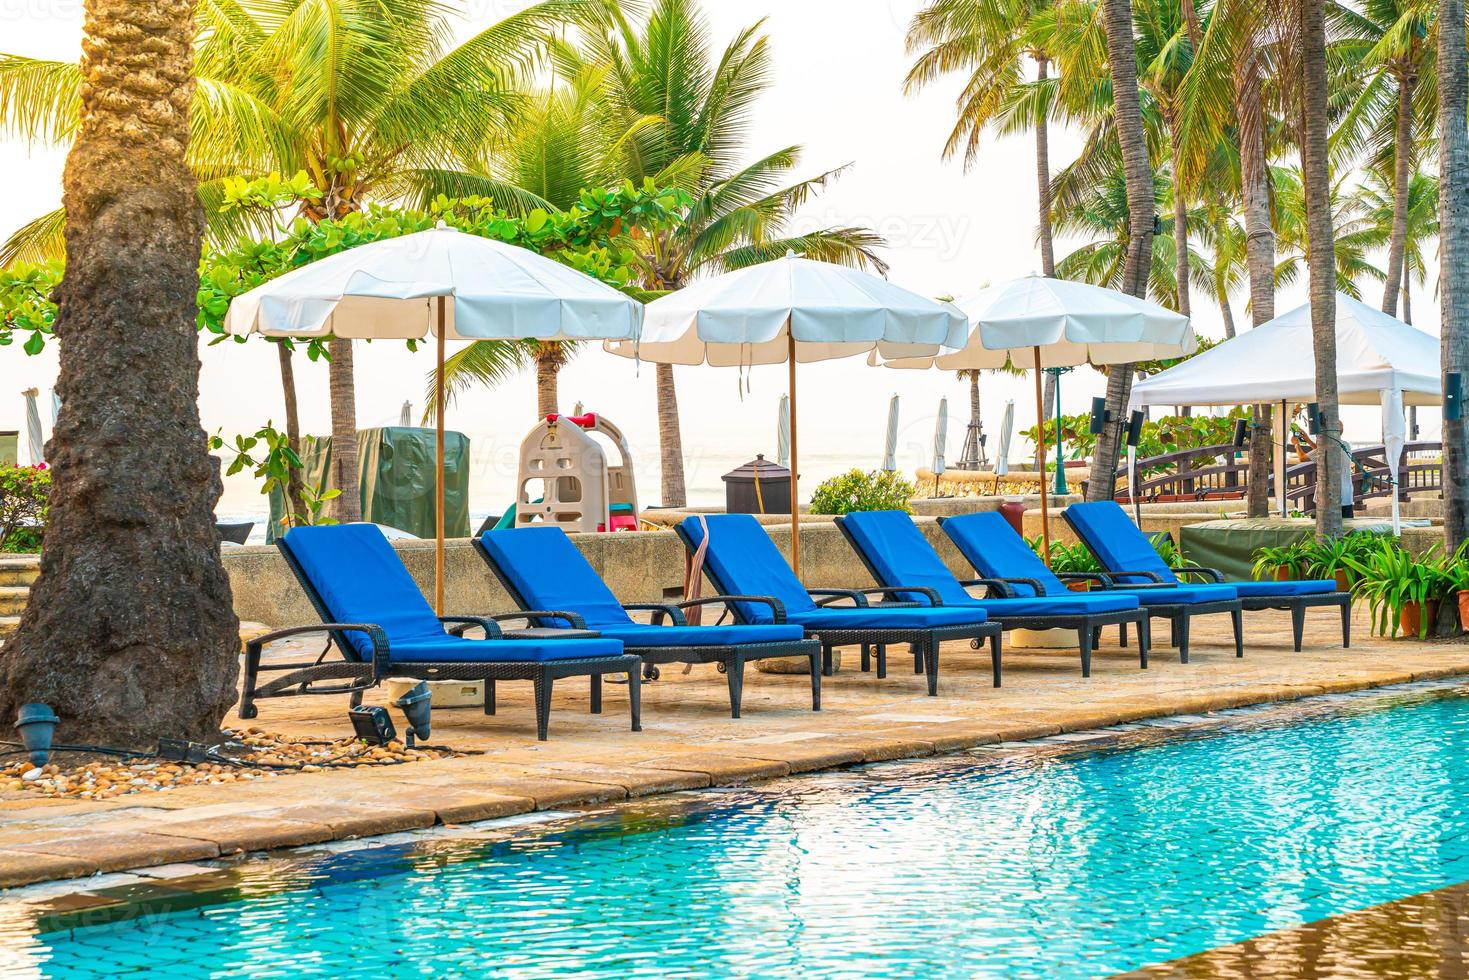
1086,586
1409,622
1284,573
1464,610
1343,583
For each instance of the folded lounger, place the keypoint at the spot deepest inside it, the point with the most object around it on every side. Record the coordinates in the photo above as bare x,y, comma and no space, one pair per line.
741,560
1130,558
543,570
383,627
896,553
990,544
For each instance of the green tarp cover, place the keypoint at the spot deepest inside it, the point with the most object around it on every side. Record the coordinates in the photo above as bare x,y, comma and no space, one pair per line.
1230,545
397,471
9,448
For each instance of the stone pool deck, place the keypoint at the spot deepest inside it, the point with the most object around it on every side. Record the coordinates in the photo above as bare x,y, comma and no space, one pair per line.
689,741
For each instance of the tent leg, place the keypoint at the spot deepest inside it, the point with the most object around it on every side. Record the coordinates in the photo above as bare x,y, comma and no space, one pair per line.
439,470
795,465
1040,416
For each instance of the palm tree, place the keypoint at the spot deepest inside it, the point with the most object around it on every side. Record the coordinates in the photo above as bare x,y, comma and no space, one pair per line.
1310,31
987,41
1225,268
673,113
367,98
1140,192
1378,205
1453,252
1355,235
129,632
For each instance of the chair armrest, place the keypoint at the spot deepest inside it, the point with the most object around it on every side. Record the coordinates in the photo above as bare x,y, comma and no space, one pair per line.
887,591
825,597
459,625
1118,575
777,608
532,615
1106,580
1212,574
380,655
659,611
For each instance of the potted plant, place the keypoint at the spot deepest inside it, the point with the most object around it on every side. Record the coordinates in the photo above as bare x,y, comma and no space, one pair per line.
1327,558
1074,558
1400,588
1277,563
1455,569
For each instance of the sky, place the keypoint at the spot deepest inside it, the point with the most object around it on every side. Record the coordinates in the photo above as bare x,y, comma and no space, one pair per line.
837,91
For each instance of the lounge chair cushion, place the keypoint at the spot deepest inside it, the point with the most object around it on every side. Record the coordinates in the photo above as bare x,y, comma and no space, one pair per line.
901,555
888,617
1184,594
550,572
648,635
360,579
990,544
1256,590
1117,542
744,561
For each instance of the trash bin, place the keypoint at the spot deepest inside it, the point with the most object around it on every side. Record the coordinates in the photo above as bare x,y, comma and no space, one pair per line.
758,487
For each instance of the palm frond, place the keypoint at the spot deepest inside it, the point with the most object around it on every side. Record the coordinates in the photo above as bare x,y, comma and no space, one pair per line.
39,100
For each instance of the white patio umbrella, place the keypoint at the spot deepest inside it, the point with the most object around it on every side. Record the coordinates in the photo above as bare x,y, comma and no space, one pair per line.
786,311
444,283
1038,322
940,442
1007,425
34,439
405,415
783,431
890,444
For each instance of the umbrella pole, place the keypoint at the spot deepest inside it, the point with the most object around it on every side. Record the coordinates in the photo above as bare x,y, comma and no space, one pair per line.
795,466
1040,422
439,470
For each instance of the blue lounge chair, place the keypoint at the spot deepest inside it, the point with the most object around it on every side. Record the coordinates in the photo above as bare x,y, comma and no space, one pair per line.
896,553
742,561
1128,556
990,544
542,569
380,623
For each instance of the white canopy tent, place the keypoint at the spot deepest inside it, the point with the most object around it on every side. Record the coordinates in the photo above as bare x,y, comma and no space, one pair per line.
1380,360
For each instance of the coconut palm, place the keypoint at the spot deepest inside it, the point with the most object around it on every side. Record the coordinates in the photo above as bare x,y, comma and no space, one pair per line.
1377,202
129,630
1452,77
1225,268
1355,235
367,98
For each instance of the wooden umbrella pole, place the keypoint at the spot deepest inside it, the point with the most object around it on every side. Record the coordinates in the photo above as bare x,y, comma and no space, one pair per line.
795,466
1040,423
439,470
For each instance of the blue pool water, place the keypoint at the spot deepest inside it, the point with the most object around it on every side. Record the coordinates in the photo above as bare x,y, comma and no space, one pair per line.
1073,867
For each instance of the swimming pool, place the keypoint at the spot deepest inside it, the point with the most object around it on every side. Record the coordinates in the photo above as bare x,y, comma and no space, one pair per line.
1077,866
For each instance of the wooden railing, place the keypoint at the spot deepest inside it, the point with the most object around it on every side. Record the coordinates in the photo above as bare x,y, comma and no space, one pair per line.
1222,473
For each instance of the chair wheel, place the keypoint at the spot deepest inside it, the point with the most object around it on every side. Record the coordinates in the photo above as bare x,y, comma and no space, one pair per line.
722,668
651,673
975,644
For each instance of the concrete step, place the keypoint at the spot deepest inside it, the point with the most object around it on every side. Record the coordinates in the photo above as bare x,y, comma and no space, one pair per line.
19,571
13,599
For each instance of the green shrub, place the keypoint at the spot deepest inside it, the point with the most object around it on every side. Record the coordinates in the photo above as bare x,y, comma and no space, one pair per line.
24,491
857,491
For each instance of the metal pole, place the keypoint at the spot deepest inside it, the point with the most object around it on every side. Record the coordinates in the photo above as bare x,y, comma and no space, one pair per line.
1040,415
439,471
795,456
1061,488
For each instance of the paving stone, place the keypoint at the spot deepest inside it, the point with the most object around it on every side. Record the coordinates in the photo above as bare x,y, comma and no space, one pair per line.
348,820
118,850
27,867
804,758
246,833
724,769
548,793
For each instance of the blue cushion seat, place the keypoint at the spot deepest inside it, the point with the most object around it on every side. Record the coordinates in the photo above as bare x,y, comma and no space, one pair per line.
549,571
991,545
360,579
1259,590
745,561
901,555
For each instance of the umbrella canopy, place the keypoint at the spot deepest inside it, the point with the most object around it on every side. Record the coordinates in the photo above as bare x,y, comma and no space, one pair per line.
35,443
940,439
786,311
783,432
444,283
890,444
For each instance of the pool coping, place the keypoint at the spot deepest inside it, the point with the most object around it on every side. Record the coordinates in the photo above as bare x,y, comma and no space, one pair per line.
230,830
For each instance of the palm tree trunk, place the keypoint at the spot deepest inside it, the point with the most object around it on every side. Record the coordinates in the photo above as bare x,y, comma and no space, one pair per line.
1453,251
1407,300
1321,260
295,486
1180,220
345,476
670,441
1048,395
1128,120
1402,174
1259,255
550,358
1228,316
1043,182
129,632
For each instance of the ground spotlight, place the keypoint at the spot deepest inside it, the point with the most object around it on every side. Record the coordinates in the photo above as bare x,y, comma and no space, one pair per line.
36,724
417,706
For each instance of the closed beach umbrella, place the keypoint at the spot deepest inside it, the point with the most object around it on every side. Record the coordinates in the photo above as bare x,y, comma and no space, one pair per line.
34,439
441,283
783,431
55,407
792,310
405,415
1037,323
890,445
940,440
1007,425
